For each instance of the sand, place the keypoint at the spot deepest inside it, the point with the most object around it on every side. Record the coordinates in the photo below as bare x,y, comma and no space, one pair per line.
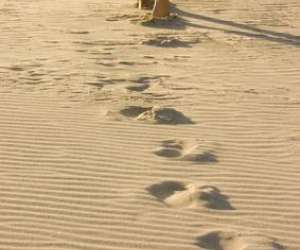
171,135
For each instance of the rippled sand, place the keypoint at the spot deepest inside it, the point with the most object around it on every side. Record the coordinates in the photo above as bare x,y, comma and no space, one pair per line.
164,136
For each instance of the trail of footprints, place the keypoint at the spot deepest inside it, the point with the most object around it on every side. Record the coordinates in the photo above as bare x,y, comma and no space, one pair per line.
180,195
174,194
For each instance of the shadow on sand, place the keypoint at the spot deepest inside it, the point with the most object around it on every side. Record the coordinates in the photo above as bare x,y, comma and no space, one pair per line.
243,29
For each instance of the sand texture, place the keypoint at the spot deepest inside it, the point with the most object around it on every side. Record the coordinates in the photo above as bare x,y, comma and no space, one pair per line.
122,134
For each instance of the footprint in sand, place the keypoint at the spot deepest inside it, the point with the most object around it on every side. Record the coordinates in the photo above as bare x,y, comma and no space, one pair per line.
172,40
175,40
185,150
142,83
180,195
164,41
227,240
156,115
138,87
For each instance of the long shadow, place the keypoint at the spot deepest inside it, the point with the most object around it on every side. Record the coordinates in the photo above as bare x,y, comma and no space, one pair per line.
235,24
248,34
245,29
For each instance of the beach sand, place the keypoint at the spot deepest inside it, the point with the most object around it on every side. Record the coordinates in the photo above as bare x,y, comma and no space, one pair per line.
122,135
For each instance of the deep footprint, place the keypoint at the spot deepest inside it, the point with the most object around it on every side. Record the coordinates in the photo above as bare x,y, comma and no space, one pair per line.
156,115
227,240
138,87
179,195
185,150
134,111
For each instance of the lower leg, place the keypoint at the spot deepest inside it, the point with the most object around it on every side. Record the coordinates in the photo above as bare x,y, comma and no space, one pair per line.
161,9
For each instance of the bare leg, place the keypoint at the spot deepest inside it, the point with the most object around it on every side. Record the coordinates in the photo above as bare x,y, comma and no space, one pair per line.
161,9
